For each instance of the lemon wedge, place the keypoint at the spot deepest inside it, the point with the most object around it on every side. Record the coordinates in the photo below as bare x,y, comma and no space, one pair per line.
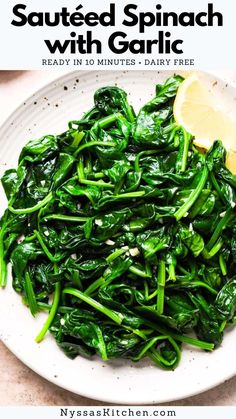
207,114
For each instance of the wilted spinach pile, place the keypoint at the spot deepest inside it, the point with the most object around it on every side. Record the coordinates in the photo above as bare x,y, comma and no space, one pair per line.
129,227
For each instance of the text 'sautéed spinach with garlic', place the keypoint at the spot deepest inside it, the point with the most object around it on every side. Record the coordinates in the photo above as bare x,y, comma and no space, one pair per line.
130,228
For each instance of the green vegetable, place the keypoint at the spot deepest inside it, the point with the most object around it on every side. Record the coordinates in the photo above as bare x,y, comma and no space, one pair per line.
128,228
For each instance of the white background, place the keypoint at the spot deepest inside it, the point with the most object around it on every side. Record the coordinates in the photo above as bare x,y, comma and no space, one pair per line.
210,47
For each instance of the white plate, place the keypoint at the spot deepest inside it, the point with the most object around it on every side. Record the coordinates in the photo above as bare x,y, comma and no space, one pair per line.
116,381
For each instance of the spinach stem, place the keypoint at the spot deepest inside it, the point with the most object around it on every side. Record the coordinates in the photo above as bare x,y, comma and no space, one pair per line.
95,285
52,313
172,275
215,249
98,175
187,138
181,338
151,296
136,194
116,254
80,168
88,165
220,227
30,295
129,113
199,203
217,187
193,285
107,120
29,239
69,218
78,136
99,184
61,309
139,272
146,347
101,280
223,325
35,208
223,266
115,316
146,289
181,212
84,181
161,280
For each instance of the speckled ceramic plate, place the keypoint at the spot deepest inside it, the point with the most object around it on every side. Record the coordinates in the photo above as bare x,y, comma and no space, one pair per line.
48,111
